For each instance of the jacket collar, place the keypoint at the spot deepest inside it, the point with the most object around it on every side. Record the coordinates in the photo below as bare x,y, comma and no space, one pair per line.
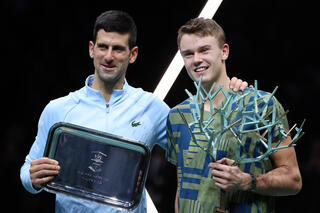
97,96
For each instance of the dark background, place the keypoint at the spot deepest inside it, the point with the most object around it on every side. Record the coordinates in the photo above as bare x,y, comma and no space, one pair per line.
45,56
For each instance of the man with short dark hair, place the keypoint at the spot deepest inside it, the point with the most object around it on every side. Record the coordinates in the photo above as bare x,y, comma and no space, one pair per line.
106,103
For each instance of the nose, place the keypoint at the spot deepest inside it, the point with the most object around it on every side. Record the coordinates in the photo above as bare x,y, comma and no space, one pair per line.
197,58
109,55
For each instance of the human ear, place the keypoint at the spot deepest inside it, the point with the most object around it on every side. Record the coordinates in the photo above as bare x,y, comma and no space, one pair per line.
225,51
133,54
91,45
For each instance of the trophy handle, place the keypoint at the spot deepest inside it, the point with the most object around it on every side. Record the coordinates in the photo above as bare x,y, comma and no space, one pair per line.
223,202
218,210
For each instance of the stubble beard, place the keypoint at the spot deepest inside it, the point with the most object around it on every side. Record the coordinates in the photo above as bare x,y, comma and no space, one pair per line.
108,80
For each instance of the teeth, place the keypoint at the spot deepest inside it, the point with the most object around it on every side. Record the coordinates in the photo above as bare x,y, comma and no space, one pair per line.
200,69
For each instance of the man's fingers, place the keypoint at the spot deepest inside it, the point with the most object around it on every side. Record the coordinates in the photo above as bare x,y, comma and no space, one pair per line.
223,161
238,84
218,175
43,164
218,167
43,173
220,180
44,160
226,161
42,176
39,167
233,82
39,182
243,85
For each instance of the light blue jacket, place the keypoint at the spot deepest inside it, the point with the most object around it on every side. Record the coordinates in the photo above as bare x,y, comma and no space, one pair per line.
87,107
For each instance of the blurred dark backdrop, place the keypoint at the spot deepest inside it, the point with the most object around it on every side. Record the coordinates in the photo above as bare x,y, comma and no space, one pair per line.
45,56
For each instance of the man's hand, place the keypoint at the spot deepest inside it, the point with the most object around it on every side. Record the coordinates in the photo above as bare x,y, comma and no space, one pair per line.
42,171
229,177
237,84
283,180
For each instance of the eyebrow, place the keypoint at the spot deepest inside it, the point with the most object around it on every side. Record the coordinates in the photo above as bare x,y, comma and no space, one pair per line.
116,47
207,46
102,45
187,51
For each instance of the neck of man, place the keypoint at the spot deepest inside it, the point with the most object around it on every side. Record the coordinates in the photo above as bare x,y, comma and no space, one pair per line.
223,80
106,88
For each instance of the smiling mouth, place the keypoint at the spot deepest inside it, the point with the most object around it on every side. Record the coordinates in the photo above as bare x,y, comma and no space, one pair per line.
200,69
108,67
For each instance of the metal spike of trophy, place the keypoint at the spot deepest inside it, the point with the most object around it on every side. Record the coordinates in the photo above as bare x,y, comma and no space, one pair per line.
253,112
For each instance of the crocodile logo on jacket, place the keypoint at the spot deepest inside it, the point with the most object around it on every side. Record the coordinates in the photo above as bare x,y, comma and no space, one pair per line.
135,123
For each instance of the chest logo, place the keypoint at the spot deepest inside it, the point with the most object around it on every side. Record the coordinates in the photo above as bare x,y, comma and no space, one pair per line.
135,123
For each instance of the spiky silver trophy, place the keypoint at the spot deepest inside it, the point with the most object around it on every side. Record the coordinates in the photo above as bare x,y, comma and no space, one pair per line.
261,118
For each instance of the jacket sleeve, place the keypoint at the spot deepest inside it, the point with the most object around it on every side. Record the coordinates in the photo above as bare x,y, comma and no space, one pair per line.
160,117
47,119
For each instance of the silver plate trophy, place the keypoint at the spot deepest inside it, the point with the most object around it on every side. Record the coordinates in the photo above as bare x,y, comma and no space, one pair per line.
97,166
